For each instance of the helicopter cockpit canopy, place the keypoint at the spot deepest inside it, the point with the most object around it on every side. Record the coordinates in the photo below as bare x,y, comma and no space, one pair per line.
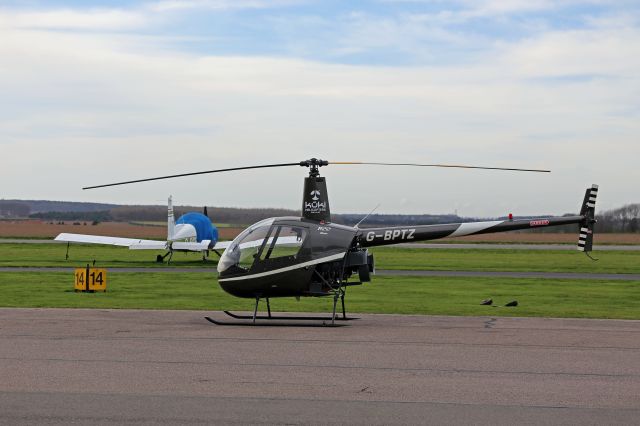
261,241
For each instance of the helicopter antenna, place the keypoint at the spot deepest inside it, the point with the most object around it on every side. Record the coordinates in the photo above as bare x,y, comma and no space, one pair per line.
369,214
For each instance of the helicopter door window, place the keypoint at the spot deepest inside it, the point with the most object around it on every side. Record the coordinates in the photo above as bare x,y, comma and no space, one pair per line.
286,242
270,243
250,246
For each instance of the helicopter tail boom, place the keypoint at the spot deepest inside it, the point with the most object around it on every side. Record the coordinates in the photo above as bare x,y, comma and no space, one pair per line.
369,237
393,235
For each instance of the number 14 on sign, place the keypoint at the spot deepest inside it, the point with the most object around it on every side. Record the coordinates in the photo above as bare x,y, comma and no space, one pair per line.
90,279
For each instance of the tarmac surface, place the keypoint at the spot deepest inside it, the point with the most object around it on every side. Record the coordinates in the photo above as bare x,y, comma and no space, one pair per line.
63,366
390,272
480,246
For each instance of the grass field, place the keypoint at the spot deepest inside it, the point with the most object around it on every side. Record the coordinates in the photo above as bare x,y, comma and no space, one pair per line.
507,260
81,254
403,295
386,258
399,295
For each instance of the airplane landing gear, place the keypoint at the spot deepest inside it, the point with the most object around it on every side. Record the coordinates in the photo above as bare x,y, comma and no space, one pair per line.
160,258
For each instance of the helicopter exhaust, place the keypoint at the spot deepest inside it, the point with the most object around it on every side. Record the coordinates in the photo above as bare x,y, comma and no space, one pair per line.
360,261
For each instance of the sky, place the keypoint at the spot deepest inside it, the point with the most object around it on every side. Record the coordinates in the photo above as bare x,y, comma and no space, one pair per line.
102,91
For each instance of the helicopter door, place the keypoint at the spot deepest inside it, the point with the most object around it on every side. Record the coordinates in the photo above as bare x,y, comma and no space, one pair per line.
281,247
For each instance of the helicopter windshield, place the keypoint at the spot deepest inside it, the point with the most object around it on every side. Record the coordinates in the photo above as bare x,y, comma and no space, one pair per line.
243,248
282,241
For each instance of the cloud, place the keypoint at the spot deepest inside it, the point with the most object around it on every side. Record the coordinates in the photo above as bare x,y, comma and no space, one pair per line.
483,8
91,107
172,5
73,19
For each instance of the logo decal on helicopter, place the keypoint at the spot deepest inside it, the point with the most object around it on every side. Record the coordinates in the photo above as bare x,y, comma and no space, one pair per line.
315,206
392,234
324,229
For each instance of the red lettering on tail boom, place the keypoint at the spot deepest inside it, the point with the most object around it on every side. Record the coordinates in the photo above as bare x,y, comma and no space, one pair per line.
539,222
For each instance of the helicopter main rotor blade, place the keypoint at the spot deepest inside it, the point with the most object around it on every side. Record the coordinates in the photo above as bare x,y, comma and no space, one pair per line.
439,165
192,174
312,163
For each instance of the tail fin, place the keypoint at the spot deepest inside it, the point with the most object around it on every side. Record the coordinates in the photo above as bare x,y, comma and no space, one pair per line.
588,211
171,221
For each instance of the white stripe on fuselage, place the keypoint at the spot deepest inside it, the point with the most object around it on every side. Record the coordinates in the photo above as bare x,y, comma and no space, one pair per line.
473,227
288,268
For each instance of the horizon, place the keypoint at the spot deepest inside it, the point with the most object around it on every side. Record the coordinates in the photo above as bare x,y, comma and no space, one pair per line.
195,207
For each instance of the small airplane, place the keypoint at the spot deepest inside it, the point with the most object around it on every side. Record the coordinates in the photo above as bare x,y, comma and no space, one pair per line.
309,256
192,232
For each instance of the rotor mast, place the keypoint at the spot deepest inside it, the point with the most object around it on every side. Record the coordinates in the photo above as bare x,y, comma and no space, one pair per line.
315,199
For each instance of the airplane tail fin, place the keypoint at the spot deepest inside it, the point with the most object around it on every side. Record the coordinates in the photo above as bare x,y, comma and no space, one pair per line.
171,221
588,211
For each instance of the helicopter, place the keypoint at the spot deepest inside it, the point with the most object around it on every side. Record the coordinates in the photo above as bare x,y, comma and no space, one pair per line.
309,256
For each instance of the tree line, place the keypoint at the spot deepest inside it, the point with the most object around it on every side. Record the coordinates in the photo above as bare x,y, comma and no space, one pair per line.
625,219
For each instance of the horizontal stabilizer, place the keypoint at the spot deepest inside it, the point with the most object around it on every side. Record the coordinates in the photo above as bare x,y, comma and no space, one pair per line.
191,246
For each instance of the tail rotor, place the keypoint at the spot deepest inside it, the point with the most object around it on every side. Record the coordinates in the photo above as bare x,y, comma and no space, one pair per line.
588,212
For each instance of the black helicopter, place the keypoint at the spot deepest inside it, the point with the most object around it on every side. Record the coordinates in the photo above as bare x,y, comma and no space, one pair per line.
311,256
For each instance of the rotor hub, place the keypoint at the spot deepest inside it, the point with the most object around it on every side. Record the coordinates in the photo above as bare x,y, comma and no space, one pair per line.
314,164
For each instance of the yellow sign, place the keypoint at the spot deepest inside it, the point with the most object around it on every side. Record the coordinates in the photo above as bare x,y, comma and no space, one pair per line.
90,279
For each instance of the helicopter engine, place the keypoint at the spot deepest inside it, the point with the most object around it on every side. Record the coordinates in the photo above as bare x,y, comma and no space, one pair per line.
332,275
359,261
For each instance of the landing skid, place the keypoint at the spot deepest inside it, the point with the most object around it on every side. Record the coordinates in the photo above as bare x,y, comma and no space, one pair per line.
276,320
292,318
278,323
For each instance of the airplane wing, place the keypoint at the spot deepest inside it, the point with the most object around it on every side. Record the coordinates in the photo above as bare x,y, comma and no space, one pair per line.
132,243
148,245
203,245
